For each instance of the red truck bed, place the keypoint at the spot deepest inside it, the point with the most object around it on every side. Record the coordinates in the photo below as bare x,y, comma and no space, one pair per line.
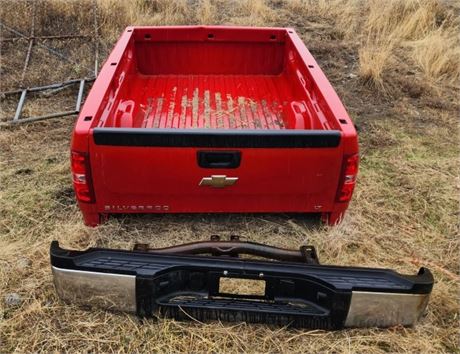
213,119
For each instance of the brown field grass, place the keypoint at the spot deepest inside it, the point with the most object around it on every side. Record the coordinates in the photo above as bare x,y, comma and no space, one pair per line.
394,63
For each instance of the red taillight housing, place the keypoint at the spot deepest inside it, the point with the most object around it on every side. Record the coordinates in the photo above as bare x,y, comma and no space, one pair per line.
82,177
348,178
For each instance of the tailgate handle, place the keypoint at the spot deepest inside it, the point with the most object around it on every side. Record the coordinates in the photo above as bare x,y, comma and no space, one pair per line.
219,159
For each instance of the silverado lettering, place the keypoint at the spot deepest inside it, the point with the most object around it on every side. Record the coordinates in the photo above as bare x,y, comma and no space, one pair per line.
136,207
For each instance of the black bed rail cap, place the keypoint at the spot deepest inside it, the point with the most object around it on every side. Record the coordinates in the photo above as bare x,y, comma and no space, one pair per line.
217,138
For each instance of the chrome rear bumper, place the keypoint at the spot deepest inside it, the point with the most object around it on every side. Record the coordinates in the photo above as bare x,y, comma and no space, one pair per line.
105,290
368,309
296,294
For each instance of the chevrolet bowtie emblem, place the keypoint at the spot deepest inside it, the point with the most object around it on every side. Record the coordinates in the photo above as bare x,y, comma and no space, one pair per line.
218,181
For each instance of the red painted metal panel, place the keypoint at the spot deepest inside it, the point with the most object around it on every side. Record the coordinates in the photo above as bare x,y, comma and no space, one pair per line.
269,180
156,58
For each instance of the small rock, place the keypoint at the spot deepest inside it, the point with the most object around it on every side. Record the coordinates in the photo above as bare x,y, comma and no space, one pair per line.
352,76
13,299
23,263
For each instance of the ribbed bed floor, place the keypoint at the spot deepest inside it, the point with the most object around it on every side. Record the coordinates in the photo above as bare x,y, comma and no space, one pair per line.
202,101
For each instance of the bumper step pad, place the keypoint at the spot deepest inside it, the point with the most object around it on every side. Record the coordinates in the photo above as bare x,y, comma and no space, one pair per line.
190,286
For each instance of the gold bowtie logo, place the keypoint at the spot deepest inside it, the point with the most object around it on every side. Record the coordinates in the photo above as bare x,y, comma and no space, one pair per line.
218,181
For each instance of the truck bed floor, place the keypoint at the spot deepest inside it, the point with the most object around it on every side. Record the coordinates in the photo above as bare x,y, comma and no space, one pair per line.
202,101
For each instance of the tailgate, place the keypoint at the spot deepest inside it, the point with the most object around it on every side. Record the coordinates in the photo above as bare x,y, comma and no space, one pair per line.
198,170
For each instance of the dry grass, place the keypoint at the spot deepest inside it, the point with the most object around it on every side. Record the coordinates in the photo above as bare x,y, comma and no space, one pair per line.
404,213
427,31
374,57
437,55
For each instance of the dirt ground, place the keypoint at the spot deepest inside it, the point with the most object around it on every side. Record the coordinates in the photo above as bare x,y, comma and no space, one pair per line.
404,212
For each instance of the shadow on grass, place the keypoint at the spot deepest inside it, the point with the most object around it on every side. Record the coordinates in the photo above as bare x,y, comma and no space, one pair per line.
310,221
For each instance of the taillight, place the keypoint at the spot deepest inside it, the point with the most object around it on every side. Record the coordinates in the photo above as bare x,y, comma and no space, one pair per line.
82,177
348,178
